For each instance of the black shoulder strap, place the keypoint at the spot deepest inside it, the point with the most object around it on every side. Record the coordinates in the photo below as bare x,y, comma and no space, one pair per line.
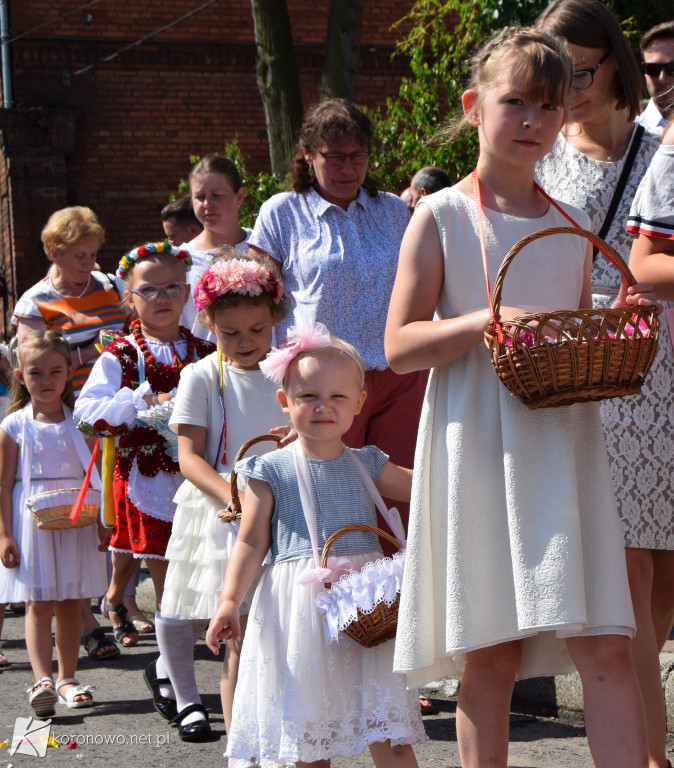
622,183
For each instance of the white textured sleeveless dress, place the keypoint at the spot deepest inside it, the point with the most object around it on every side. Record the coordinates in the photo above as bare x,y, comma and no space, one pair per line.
514,532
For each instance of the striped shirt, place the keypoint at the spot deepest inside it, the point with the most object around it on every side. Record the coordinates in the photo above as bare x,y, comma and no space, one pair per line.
652,211
340,497
78,319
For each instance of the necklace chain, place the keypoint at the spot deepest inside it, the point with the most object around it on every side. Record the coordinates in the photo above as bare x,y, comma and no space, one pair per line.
79,295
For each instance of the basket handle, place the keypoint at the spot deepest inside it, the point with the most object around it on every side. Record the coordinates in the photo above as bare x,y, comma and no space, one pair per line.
608,251
233,510
353,527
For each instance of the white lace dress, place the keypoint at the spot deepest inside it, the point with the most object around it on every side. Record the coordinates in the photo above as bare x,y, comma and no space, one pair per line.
638,429
297,697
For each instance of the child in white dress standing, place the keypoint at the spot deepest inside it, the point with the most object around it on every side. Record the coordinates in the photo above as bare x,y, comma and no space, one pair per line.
299,699
52,570
222,402
514,565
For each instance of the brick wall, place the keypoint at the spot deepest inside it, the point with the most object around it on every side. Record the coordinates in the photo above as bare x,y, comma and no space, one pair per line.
137,118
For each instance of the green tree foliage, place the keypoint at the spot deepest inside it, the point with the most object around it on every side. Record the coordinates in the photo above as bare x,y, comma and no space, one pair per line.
442,36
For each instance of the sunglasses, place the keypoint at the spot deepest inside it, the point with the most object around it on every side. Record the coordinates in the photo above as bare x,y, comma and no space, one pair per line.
151,292
654,68
583,78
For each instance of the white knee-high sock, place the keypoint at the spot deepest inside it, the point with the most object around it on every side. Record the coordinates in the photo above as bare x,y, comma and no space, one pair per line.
176,638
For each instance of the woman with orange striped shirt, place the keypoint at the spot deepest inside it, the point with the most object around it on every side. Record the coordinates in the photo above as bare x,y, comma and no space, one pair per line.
72,299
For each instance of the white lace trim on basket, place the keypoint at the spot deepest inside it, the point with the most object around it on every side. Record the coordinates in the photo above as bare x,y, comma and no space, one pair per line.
377,582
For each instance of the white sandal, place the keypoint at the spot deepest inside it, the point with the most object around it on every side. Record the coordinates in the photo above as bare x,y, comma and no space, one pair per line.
68,698
42,698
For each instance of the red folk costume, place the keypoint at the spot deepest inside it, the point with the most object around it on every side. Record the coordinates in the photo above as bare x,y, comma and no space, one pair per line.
146,473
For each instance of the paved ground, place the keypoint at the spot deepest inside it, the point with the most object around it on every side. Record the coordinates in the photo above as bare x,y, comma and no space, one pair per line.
124,731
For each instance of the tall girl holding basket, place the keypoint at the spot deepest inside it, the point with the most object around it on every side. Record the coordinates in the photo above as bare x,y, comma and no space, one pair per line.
52,570
222,401
299,699
514,506
130,394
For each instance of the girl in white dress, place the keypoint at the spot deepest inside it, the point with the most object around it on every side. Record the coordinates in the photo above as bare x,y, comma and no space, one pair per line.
299,699
222,402
41,450
515,565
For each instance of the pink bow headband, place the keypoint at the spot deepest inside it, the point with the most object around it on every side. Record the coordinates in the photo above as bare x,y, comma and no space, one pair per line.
235,276
304,336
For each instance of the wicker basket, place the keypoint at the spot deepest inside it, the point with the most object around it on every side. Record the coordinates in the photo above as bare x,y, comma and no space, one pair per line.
233,510
369,629
51,509
562,357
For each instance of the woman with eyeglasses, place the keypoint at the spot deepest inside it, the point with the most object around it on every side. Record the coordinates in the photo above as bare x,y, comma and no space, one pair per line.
337,240
596,164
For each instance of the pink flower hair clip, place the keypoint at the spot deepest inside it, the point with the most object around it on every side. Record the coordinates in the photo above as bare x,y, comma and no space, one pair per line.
235,276
304,336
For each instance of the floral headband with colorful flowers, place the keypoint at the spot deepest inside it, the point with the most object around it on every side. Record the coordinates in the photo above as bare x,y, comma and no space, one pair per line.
129,260
235,276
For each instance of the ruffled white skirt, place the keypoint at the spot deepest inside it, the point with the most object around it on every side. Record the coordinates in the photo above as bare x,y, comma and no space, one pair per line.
298,698
197,552
54,565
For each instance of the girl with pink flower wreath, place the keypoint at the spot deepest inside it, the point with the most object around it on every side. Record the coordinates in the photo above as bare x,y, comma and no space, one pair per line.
222,401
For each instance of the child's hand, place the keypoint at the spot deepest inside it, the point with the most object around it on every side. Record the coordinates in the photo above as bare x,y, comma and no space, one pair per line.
633,295
160,397
223,626
104,536
9,553
290,434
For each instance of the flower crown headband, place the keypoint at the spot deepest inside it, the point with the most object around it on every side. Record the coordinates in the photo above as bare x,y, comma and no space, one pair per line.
129,260
304,336
244,276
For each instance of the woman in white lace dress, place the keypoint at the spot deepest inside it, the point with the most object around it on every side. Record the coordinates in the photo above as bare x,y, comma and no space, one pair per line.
584,169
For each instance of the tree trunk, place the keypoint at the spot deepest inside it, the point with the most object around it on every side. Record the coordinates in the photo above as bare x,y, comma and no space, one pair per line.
277,79
342,50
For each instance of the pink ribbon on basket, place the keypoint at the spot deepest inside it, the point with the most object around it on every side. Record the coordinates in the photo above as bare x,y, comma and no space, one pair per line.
337,566
79,501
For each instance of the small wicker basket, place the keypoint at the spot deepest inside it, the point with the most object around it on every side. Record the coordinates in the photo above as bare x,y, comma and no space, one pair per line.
562,357
51,509
369,629
233,510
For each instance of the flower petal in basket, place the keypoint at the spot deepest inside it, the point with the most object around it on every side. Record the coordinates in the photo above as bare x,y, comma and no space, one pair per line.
561,357
361,591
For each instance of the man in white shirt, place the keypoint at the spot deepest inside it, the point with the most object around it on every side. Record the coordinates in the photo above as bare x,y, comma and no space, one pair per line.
657,48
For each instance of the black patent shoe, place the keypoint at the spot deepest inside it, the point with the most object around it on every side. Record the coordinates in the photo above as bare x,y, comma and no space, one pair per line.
163,704
199,730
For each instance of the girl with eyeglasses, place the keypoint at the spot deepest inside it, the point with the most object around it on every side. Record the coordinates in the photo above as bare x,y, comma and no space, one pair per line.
596,164
130,394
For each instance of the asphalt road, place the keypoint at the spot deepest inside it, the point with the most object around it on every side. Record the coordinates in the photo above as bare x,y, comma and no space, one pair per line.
123,730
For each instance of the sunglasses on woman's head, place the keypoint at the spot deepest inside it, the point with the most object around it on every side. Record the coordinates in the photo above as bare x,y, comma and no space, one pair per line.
151,292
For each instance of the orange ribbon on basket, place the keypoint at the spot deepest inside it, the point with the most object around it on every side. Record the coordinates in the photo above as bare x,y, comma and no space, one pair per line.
79,501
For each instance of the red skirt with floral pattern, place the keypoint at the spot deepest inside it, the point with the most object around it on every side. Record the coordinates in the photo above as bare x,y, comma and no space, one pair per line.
135,532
